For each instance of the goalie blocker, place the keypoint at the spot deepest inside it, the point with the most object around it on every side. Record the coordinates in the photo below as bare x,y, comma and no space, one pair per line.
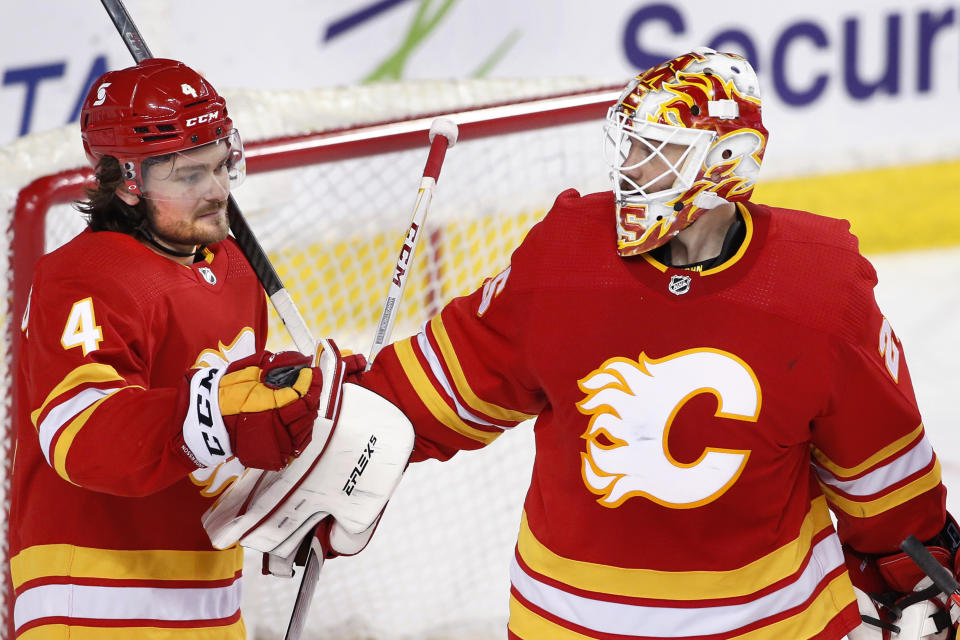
349,475
896,596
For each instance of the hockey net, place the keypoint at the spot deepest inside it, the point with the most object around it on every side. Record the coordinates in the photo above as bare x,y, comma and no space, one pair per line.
329,196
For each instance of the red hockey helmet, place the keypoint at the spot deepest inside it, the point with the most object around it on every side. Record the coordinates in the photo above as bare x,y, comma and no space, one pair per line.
709,104
155,108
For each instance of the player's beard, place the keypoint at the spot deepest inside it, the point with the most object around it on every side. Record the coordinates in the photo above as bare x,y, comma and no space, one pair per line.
201,229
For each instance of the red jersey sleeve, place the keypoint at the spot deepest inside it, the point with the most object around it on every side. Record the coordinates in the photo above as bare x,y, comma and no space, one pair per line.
873,460
85,365
464,378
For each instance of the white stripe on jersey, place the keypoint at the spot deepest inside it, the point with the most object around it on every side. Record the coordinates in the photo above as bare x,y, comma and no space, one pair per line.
63,413
126,603
907,464
437,370
674,622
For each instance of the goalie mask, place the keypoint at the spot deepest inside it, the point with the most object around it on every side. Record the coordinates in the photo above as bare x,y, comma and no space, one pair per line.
150,115
683,138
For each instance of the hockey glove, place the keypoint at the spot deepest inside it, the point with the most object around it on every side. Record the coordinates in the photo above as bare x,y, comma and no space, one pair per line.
260,409
896,600
349,476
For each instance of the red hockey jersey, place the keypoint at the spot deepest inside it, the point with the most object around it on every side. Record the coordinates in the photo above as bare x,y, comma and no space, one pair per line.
692,428
105,536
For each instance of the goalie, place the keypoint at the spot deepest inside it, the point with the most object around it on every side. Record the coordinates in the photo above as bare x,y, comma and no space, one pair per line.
710,378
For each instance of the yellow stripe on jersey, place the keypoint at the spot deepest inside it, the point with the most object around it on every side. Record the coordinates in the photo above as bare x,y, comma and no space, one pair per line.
460,380
431,397
84,374
530,626
806,624
50,560
887,452
869,508
235,631
676,585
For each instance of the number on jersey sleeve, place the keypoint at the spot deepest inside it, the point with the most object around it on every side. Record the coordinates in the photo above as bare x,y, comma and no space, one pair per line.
889,351
82,329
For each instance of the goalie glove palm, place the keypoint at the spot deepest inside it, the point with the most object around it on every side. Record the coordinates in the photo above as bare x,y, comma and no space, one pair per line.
260,409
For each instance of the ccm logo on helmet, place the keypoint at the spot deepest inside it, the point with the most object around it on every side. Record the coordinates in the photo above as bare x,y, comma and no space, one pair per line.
207,117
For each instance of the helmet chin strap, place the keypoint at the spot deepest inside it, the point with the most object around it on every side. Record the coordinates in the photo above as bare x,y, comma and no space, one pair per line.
142,224
147,234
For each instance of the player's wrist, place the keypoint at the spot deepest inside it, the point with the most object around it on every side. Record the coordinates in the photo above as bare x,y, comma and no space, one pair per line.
183,454
204,433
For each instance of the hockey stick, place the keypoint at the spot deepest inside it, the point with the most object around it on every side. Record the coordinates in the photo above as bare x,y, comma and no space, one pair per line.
934,570
254,253
443,135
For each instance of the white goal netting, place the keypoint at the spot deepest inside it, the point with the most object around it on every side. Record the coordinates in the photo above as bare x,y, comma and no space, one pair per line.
437,567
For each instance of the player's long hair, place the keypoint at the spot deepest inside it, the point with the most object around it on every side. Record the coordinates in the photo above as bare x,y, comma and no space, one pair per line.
103,210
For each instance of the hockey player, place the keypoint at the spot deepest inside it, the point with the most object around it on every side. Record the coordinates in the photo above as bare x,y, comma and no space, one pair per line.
144,385
710,377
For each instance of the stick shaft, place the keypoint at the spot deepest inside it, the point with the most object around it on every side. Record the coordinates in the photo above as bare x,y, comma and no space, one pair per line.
282,302
127,30
308,585
438,149
401,272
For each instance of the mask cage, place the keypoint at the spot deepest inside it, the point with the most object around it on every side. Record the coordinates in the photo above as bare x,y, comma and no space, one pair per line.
622,131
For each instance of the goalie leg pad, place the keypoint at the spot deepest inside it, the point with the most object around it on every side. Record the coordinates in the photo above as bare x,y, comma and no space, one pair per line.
352,479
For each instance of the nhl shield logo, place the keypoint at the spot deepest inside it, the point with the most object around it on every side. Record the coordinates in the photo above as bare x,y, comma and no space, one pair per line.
207,275
679,285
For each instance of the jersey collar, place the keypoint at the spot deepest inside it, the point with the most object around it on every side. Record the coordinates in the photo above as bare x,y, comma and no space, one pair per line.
726,264
684,284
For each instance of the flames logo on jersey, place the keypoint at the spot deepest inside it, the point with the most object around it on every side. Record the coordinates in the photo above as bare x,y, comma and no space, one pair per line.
213,480
632,404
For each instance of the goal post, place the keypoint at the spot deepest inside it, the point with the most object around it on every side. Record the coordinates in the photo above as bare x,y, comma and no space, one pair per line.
329,199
